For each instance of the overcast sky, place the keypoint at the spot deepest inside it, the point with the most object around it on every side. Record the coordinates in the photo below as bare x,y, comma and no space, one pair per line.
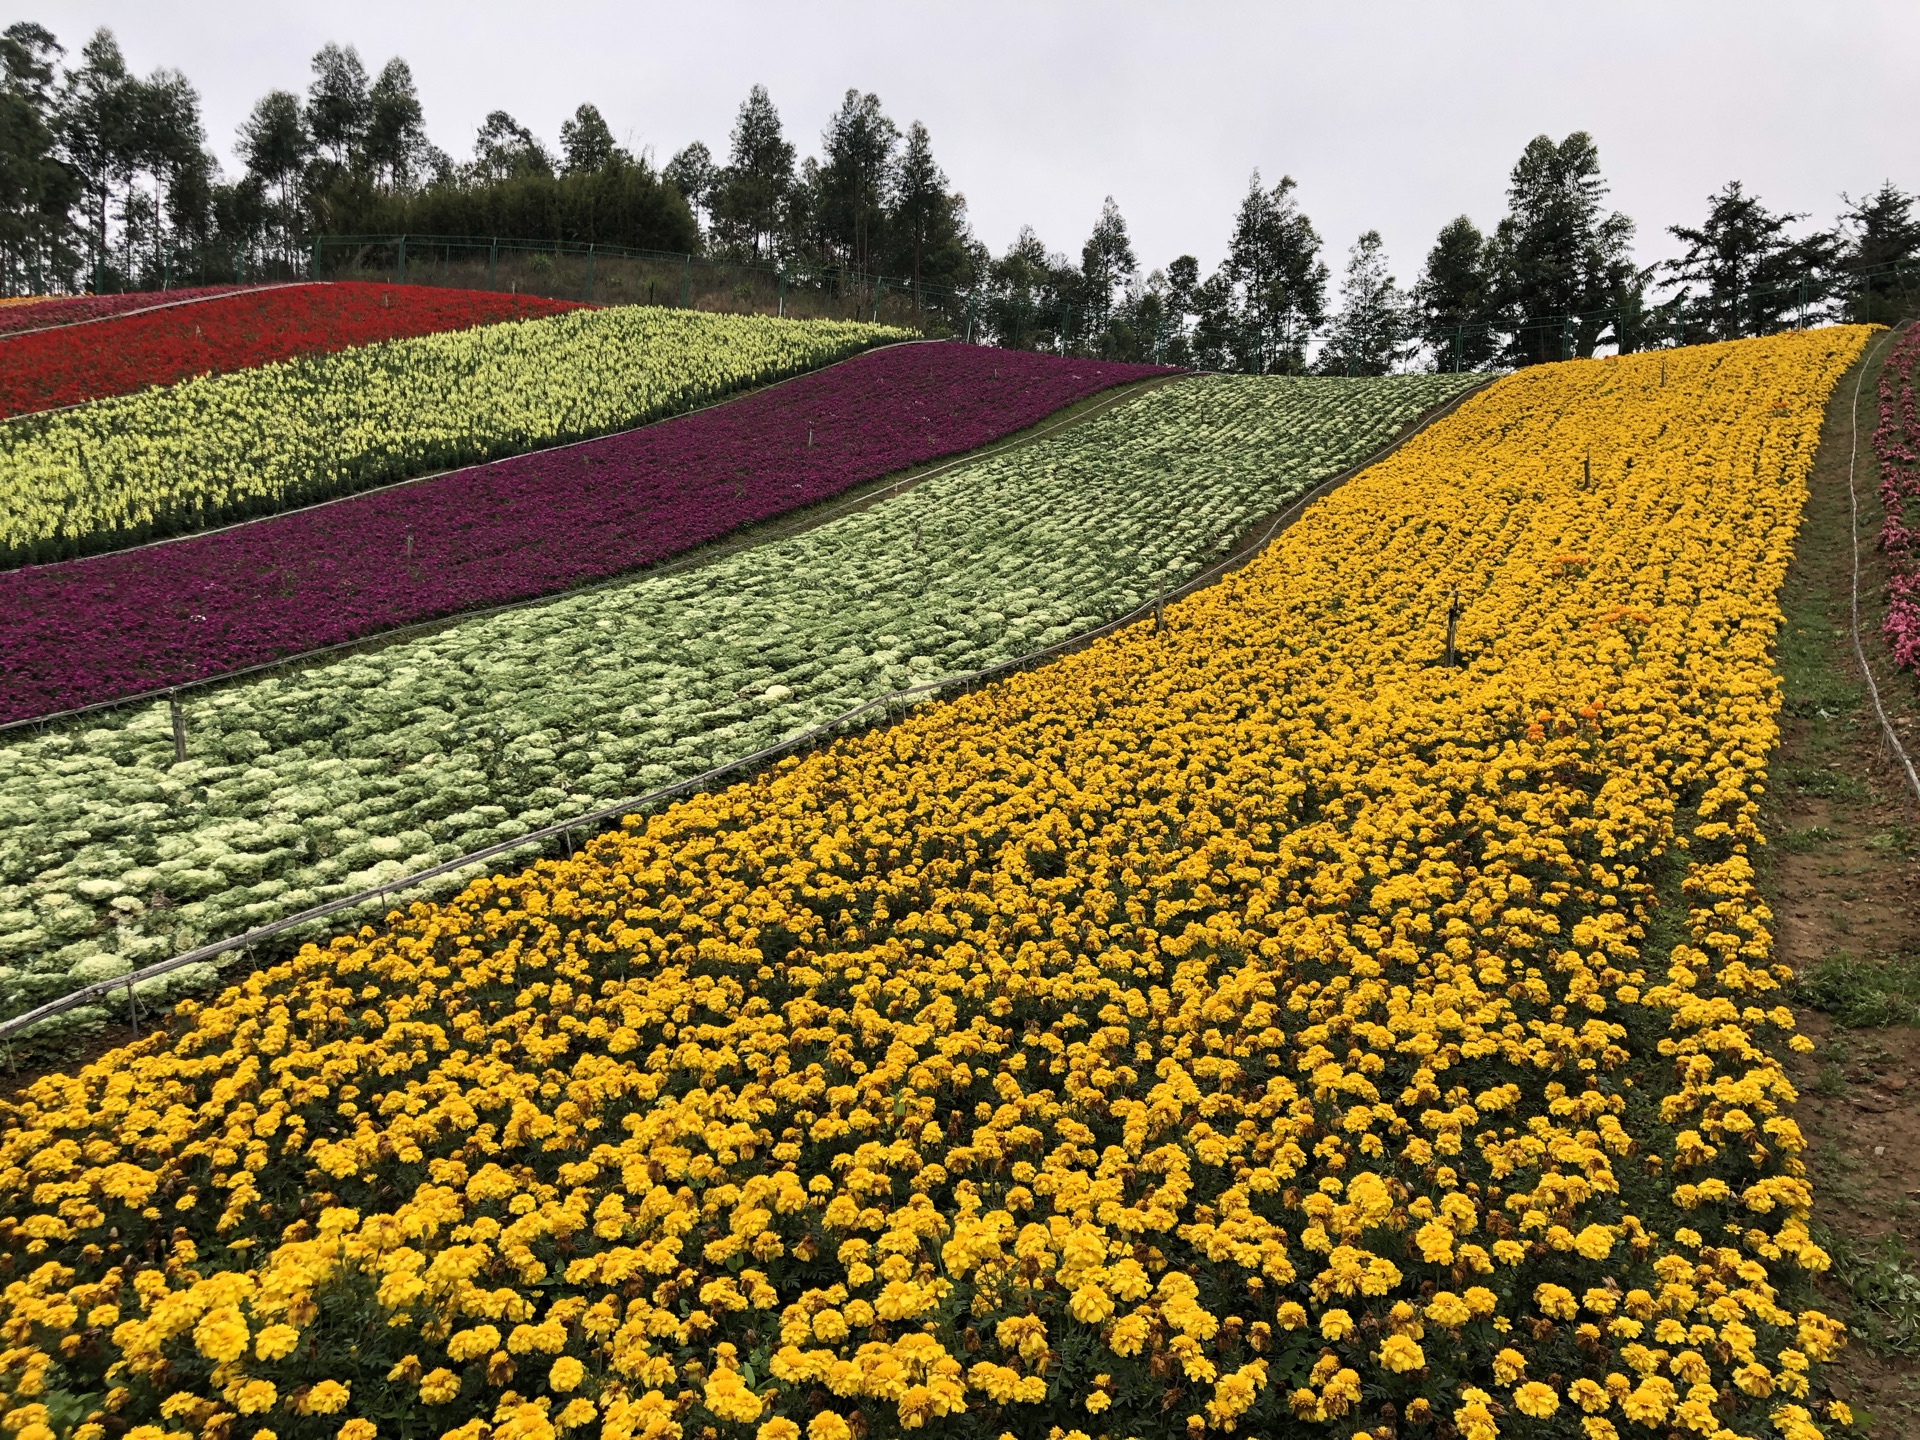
1390,116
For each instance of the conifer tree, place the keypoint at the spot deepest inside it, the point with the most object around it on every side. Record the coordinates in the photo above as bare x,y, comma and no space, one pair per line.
1562,263
1453,309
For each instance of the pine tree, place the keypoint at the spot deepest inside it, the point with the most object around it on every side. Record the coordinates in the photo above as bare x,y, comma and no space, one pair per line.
37,191
1559,260
1749,267
1453,310
1028,290
1881,247
921,206
167,143
1257,311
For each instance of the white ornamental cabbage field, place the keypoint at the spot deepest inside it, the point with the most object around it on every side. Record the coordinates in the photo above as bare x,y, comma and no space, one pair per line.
320,782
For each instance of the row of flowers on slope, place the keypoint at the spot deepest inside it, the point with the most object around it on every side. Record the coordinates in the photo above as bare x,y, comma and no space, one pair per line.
305,786
235,332
1896,445
40,312
105,626
1249,1027
223,447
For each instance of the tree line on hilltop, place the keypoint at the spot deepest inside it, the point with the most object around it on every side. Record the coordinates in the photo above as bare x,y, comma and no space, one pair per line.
106,182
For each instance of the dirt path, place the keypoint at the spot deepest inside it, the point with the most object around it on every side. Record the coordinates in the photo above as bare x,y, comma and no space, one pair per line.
1842,874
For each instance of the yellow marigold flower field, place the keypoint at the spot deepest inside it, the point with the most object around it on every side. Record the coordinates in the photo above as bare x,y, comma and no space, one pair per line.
1251,1025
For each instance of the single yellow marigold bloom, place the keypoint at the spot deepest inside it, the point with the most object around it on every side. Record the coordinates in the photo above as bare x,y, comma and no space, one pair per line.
472,1344
566,1374
728,1397
327,1398
357,1428
439,1386
1401,1354
275,1343
1595,1242
778,1428
1589,1395
829,1425
1536,1399
255,1396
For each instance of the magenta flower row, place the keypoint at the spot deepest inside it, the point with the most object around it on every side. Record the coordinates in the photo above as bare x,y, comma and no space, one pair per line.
1896,444
104,627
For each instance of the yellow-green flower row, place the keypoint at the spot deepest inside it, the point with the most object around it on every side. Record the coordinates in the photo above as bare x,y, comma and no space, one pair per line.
226,446
1247,1026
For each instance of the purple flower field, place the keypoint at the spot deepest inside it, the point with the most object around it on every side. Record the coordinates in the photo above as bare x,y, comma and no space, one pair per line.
98,628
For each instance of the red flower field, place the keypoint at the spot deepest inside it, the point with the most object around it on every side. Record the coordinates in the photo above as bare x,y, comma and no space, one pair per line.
45,369
45,311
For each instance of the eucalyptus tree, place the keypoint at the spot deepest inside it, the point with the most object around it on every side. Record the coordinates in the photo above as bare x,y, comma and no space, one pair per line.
587,145
1372,332
751,195
275,145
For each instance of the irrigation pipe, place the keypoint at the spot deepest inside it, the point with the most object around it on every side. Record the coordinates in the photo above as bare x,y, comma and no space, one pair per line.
1895,748
101,989
885,486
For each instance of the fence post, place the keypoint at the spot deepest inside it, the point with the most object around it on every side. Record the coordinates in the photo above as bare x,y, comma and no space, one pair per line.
588,297
879,289
313,266
493,262
400,262
686,283
780,309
